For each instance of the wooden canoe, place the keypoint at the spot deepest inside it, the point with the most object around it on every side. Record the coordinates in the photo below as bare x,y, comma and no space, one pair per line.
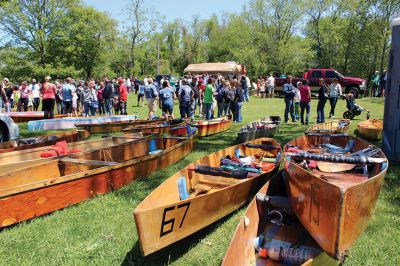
213,126
262,128
23,117
110,127
371,129
162,218
162,127
44,140
241,250
57,184
12,161
331,127
334,208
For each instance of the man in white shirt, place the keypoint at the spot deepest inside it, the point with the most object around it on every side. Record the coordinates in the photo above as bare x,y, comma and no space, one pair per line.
34,87
271,86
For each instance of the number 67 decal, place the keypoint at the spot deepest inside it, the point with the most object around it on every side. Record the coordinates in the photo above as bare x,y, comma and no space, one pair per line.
172,221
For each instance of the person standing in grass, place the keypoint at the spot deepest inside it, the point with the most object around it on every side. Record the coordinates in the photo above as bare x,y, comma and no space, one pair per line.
226,100
289,92
167,96
35,94
48,98
123,96
322,97
186,97
220,97
305,101
231,95
271,86
239,99
209,98
335,91
297,97
151,94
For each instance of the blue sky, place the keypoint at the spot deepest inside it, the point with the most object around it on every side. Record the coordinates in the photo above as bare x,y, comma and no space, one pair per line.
173,9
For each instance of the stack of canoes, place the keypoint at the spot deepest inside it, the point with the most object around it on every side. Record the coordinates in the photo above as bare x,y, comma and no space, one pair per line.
339,126
213,126
41,141
204,192
333,184
36,190
371,129
263,128
262,228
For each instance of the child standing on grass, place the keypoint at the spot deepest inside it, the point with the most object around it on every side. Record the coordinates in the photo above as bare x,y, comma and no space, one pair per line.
297,101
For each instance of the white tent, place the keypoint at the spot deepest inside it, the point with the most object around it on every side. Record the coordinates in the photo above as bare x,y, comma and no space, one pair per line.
223,68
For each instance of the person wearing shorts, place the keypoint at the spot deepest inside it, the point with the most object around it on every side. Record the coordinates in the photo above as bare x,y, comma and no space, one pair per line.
167,96
151,94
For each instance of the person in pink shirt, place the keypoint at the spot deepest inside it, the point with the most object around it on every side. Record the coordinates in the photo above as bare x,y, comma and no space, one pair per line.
305,101
49,98
25,92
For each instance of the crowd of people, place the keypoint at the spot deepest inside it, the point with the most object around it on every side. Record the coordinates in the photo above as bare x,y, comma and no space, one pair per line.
378,84
210,95
298,100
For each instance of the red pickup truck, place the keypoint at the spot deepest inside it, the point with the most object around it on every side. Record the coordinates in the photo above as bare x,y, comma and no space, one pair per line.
354,85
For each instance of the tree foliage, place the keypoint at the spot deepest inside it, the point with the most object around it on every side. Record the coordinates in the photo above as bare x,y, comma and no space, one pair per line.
65,37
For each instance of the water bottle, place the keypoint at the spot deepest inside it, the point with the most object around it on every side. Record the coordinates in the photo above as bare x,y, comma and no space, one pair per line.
287,255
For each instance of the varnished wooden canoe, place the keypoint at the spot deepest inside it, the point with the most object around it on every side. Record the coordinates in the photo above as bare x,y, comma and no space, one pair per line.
23,117
331,127
11,161
44,140
57,184
371,129
335,208
213,126
110,127
162,218
262,128
162,127
255,222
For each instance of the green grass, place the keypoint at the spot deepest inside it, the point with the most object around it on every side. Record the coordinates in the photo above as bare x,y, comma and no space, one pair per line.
101,231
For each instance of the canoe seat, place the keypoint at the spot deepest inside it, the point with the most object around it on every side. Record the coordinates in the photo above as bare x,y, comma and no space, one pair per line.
87,162
218,181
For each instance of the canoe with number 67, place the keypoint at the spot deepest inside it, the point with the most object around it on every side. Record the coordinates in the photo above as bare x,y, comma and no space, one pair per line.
163,217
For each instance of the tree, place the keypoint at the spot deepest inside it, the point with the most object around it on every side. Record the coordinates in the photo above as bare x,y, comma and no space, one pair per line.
34,23
141,22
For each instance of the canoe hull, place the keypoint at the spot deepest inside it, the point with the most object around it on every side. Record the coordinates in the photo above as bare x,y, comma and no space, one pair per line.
78,135
250,134
330,127
371,129
152,129
161,226
111,127
241,250
53,196
208,129
335,216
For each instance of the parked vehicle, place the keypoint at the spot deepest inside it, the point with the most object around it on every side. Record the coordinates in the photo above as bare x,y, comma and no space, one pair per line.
356,86
8,129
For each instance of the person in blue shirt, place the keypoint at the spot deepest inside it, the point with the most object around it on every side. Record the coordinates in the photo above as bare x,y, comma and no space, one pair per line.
140,96
66,95
167,96
151,94
289,92
186,97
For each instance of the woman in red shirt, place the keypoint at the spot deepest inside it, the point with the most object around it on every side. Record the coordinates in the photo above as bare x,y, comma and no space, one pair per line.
305,101
49,98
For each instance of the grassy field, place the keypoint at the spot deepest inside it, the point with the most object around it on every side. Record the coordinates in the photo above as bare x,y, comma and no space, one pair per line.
101,231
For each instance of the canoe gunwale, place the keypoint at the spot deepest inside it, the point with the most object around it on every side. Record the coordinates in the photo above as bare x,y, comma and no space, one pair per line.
64,179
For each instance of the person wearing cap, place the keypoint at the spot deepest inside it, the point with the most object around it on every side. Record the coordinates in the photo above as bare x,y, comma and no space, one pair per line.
151,94
123,96
167,96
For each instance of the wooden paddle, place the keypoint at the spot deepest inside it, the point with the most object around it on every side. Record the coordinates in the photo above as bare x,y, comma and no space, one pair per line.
328,167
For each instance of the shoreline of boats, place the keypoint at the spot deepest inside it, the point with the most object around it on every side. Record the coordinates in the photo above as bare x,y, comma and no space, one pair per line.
332,181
